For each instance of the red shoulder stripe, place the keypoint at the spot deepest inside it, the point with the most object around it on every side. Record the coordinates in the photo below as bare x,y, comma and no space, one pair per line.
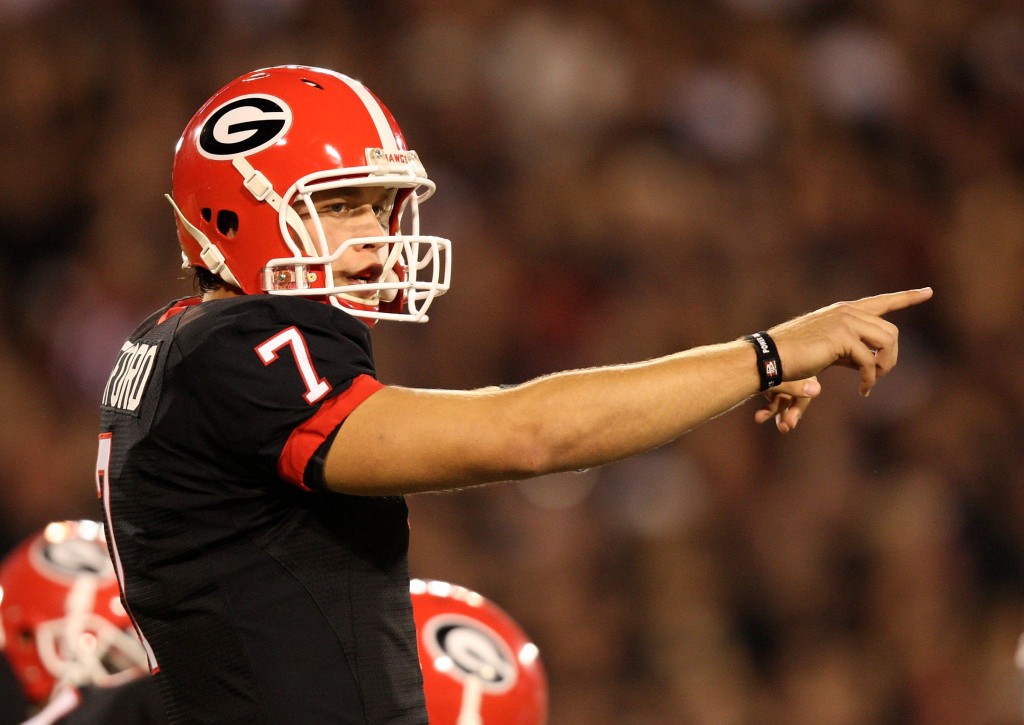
179,306
307,437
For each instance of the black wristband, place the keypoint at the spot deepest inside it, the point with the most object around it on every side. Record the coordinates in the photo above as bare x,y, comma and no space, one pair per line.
769,366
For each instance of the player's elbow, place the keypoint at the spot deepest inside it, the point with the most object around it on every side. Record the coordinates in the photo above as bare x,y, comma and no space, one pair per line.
533,451
529,457
521,439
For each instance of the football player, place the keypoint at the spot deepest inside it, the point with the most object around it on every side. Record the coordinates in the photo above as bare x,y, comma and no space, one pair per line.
251,465
66,635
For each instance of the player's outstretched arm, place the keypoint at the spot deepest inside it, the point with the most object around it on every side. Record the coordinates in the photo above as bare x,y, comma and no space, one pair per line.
402,440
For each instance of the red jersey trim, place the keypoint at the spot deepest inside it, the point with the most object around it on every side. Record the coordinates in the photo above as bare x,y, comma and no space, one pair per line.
308,437
179,306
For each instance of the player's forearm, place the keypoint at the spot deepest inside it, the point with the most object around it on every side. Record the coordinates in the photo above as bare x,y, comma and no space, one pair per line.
404,441
588,418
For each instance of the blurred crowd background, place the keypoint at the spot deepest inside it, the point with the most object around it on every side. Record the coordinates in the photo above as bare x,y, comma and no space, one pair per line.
620,180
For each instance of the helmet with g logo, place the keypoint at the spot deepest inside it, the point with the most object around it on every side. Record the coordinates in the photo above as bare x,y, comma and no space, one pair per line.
61,617
254,155
479,667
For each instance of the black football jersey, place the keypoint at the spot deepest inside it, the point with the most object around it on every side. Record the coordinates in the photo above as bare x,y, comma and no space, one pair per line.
260,596
13,704
135,702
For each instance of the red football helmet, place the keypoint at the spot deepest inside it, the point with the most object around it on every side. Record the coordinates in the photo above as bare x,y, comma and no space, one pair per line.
264,144
479,667
61,618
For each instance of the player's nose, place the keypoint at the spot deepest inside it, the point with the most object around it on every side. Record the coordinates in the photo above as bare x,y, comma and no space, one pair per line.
366,222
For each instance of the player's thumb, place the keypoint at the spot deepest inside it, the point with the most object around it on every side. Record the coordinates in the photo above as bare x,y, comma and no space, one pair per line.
803,388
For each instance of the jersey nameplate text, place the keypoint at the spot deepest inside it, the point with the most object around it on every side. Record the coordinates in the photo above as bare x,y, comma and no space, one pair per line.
130,376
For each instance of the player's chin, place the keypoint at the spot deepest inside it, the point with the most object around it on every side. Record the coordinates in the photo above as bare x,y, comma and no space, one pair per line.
365,302
368,297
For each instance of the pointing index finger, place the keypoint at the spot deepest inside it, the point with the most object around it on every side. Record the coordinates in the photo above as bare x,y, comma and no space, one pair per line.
882,304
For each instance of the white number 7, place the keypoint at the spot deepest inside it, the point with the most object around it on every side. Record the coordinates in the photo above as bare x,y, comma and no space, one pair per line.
316,387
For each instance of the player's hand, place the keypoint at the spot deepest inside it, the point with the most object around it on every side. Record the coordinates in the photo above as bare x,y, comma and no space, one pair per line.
787,403
851,334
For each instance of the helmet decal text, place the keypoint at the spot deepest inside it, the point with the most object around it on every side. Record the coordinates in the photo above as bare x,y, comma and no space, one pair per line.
243,126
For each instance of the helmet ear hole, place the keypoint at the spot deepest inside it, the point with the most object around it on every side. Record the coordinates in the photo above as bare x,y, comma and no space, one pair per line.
207,214
227,222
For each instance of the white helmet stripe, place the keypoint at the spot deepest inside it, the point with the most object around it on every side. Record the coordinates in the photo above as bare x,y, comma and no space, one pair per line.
387,136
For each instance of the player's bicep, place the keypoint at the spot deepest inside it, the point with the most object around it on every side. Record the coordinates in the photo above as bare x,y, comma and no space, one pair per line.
402,440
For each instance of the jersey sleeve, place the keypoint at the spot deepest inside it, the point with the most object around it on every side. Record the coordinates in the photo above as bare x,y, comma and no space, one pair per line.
308,438
268,381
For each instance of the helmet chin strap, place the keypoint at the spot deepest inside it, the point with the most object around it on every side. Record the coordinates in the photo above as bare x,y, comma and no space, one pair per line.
260,187
211,256
257,184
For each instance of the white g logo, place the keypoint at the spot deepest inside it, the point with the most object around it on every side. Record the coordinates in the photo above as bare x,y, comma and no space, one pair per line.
243,126
472,649
75,557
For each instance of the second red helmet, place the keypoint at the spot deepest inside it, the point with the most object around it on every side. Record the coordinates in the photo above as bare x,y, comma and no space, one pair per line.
479,666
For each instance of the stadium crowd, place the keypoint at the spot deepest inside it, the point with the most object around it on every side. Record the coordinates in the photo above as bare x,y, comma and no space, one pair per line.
620,180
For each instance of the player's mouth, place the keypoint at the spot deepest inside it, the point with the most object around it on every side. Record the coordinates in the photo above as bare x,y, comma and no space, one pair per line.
367,275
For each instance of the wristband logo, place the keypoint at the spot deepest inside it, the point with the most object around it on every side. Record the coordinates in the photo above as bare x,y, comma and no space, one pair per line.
761,343
769,367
